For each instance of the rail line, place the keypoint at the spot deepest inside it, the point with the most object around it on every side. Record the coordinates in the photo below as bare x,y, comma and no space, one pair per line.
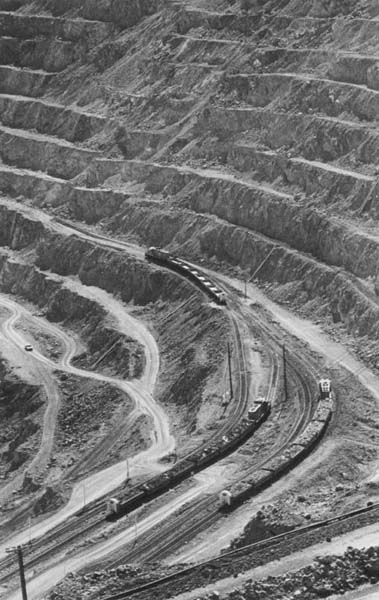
225,559
203,514
170,536
88,520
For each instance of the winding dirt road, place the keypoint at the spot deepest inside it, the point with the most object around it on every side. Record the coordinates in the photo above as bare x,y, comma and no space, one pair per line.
43,376
139,390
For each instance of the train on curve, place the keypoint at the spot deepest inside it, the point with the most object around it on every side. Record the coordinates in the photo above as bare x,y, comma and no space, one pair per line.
164,258
270,472
279,465
198,460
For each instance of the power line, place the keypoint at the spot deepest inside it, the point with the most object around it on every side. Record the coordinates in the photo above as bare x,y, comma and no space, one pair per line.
285,373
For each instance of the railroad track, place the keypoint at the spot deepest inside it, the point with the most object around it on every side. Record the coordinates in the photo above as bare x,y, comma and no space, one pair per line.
185,526
92,518
159,544
97,455
89,520
45,546
235,560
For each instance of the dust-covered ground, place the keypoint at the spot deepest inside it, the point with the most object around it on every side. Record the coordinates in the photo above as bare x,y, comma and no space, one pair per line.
241,135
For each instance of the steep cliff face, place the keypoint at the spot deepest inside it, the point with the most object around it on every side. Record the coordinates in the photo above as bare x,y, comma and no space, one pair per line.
20,407
16,231
111,270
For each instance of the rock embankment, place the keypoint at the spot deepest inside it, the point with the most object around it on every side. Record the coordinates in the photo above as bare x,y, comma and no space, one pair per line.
328,575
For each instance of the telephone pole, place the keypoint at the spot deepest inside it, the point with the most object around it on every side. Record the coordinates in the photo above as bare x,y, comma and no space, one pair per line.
18,549
230,373
22,573
285,373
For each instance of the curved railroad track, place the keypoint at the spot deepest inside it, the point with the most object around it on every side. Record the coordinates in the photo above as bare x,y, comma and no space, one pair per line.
89,520
204,513
236,561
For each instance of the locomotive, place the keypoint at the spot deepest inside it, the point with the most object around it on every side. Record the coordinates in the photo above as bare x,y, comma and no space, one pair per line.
325,388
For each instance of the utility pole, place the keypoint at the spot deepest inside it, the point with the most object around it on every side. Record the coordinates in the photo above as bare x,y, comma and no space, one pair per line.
135,529
22,573
230,373
127,471
30,530
245,289
285,373
18,549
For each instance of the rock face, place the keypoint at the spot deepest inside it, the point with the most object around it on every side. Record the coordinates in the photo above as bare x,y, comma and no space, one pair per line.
111,270
121,13
19,406
286,161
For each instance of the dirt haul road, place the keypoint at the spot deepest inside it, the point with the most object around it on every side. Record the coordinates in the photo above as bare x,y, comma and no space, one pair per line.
139,390
42,375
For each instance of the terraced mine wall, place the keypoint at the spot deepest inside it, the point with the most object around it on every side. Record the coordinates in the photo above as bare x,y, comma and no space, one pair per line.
67,306
260,128
57,256
242,246
19,405
254,208
113,271
123,14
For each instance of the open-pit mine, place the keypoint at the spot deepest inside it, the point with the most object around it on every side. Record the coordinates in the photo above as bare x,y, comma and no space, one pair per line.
189,299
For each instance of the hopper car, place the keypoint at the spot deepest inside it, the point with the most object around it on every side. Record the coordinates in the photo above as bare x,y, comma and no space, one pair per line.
195,462
281,464
164,258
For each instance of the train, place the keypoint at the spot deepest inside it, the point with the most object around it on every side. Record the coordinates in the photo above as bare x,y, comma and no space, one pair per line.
164,258
238,492
257,414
